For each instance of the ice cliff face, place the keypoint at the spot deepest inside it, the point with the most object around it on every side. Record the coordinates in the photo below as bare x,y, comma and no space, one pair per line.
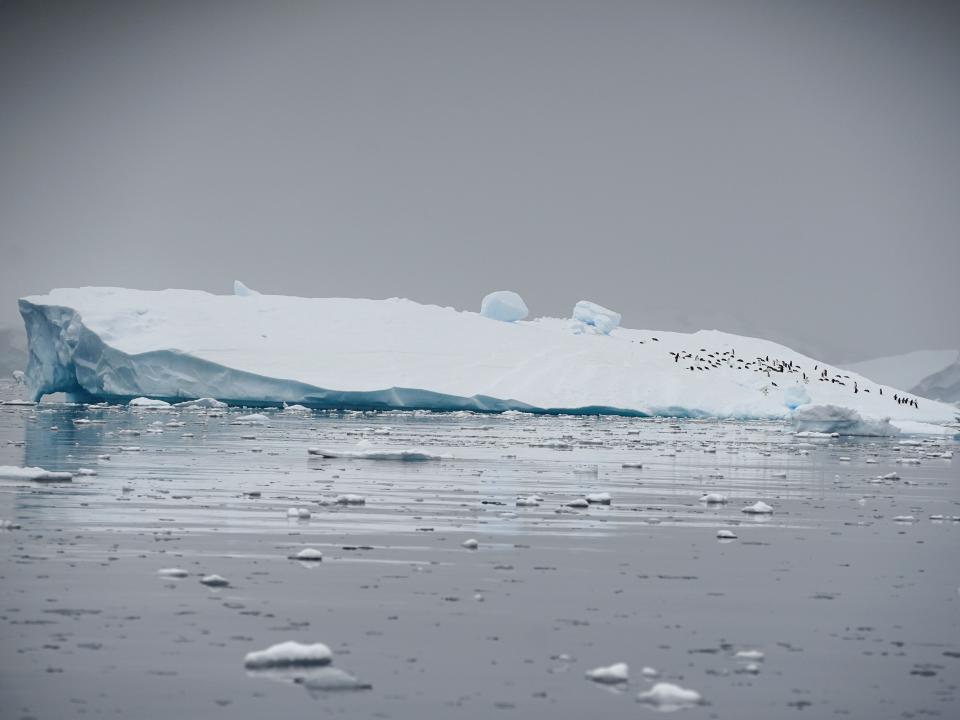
115,344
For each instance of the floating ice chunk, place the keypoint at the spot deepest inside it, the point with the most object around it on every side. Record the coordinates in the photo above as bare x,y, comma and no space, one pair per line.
795,396
650,672
726,535
350,499
241,290
148,403
752,655
668,697
758,508
904,519
9,525
251,419
817,435
308,554
603,319
842,420
86,472
532,501
410,455
202,403
18,377
504,305
299,513
295,409
172,573
37,474
713,499
214,581
578,503
288,654
889,476
600,498
612,674
331,679
470,544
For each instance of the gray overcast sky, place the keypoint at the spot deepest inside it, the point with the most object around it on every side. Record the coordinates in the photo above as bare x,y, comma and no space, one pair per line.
790,170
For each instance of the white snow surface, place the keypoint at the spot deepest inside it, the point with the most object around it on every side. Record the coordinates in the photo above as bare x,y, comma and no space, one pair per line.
118,344
603,319
504,305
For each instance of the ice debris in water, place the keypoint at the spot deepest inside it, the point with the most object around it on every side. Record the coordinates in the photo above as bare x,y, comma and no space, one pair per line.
752,655
214,581
202,403
470,544
148,403
172,573
504,305
842,420
596,316
37,474
308,554
713,499
601,498
726,535
287,654
578,503
758,508
251,419
668,697
410,455
616,673
299,513
350,499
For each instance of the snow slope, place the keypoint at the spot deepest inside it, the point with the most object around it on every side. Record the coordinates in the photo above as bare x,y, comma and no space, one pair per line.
117,344
908,370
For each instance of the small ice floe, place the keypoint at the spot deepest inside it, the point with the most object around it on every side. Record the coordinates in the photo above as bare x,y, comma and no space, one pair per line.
251,419
889,476
650,672
750,655
130,449
758,508
904,519
531,501
600,498
288,654
908,461
203,404
843,458
350,499
299,513
726,535
578,503
409,455
214,581
632,465
330,679
295,409
308,555
9,525
668,697
713,499
86,472
103,457
36,474
610,675
470,544
172,573
145,403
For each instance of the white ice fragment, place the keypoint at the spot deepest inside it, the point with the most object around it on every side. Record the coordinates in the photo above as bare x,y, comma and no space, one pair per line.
504,305
410,455
758,508
889,476
597,316
578,503
251,419
214,581
470,544
350,499
726,535
172,573
241,290
600,498
616,673
202,403
713,499
86,471
752,655
668,697
650,672
288,654
309,554
37,474
148,403
904,519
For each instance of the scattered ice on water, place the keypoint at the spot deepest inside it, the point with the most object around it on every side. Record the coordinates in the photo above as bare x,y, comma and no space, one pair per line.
758,508
470,544
288,654
668,697
214,581
616,673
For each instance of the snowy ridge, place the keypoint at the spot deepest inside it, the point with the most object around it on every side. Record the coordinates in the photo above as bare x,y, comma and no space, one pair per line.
116,344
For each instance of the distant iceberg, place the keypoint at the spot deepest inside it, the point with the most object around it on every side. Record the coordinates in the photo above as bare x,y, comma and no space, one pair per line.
116,345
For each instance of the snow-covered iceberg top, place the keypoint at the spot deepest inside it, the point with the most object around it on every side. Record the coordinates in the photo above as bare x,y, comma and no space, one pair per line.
116,344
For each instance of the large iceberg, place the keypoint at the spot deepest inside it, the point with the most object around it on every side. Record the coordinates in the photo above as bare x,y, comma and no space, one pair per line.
116,345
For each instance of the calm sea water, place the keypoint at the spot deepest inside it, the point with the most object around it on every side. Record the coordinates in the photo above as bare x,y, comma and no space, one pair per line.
854,607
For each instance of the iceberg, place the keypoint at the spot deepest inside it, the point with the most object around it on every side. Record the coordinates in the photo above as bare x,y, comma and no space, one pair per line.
504,305
116,345
596,316
830,419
